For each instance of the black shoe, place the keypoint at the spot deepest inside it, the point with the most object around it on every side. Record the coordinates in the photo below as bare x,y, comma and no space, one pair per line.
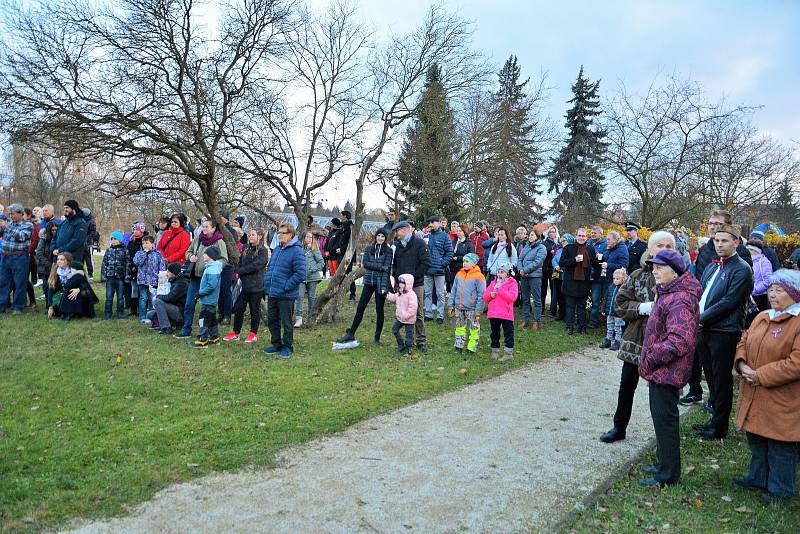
650,469
771,498
422,348
376,341
582,330
746,484
616,345
559,318
652,483
613,435
701,426
347,338
690,399
183,334
570,331
458,350
710,434
428,319
439,321
401,350
165,331
605,344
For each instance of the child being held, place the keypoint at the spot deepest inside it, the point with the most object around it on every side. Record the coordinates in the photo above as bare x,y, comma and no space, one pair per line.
406,313
614,323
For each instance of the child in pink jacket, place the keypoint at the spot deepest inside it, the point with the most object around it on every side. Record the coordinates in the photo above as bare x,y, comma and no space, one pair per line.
500,295
406,302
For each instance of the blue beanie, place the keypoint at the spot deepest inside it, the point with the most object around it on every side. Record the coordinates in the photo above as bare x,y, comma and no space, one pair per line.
118,236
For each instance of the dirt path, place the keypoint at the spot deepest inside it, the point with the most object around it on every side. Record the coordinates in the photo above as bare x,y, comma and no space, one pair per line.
510,454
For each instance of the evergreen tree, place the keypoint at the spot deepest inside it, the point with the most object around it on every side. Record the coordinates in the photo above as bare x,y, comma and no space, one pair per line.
510,180
576,177
426,166
785,210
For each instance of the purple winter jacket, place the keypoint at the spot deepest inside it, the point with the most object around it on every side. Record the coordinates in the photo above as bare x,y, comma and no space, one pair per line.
669,339
762,272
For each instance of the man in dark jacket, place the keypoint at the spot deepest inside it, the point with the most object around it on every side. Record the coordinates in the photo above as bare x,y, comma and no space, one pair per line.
727,285
332,245
707,253
411,256
91,240
71,235
440,249
636,248
391,219
169,307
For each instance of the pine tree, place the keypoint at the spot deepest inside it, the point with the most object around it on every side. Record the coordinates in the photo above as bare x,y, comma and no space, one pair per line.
576,177
426,166
785,210
510,183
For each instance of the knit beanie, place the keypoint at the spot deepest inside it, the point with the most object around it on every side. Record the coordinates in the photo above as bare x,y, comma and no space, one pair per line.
139,225
212,252
471,258
174,268
505,266
240,220
118,236
569,238
789,281
73,204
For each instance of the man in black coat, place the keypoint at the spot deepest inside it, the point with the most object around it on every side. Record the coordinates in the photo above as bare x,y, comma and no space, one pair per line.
727,285
344,242
411,256
636,248
169,307
708,253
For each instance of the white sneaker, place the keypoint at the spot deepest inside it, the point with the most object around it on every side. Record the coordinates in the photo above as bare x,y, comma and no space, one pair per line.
298,322
38,283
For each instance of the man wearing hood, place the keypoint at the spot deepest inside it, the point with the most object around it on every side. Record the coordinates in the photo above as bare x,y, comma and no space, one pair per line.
285,272
71,235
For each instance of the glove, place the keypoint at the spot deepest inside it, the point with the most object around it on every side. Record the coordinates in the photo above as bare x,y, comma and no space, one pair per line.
645,308
451,312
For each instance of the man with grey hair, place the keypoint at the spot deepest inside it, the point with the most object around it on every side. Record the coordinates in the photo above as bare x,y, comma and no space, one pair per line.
15,263
48,214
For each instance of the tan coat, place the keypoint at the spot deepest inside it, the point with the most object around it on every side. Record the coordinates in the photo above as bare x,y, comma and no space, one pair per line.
772,348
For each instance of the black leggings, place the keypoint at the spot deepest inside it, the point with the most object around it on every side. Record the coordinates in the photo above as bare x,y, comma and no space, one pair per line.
254,300
380,300
508,332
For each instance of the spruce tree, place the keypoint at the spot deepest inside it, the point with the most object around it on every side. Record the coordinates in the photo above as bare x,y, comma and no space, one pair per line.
575,177
785,210
511,186
426,167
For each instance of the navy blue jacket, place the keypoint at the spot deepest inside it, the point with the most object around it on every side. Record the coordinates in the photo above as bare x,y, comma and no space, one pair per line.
617,258
441,251
286,270
71,236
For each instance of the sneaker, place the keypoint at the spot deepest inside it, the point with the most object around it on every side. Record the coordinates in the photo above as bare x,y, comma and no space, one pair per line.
689,399
145,322
708,408
165,331
458,350
347,338
233,336
215,341
272,350
286,352
615,345
439,321
422,348
183,334
251,338
605,344
298,322
200,344
428,319
407,352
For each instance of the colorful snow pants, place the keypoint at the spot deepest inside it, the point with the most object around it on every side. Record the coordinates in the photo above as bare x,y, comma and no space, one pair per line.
467,320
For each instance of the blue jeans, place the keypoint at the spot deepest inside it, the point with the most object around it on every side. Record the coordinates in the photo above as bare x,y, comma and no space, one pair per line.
115,286
530,291
598,290
191,300
773,465
145,301
225,302
14,272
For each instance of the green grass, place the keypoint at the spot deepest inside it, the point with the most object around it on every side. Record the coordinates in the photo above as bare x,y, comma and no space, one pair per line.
84,436
705,501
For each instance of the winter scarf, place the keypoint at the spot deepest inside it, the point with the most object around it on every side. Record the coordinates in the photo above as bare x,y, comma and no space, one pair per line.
579,273
207,241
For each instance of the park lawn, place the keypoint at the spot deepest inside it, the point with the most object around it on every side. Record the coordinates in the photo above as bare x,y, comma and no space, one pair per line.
96,416
706,500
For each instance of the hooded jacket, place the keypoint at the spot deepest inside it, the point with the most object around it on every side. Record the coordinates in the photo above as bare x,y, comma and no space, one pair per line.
762,272
314,265
441,251
502,305
467,292
252,265
209,284
148,265
71,236
286,270
406,302
178,288
670,336
617,258
477,238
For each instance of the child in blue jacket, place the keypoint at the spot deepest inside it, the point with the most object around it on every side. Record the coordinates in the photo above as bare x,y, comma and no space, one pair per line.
614,323
209,295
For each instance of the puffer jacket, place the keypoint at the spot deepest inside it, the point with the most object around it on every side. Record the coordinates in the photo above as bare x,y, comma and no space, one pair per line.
148,265
286,270
501,306
251,268
617,258
115,264
377,266
210,282
173,245
476,238
671,333
726,304
314,265
531,260
71,236
178,288
762,272
441,250
467,292
637,289
406,302
610,297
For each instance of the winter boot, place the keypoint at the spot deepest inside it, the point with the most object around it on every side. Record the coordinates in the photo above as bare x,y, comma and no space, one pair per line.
616,345
508,353
495,354
535,327
605,344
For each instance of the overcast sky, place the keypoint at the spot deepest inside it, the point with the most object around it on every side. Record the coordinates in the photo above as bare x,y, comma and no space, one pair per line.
746,52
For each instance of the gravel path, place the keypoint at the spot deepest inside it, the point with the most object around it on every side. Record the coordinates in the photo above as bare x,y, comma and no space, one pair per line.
510,454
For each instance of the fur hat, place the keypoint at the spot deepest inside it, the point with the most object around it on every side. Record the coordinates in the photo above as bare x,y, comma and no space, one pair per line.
732,229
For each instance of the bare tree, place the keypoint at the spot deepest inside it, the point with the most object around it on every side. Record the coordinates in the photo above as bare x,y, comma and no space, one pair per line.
141,80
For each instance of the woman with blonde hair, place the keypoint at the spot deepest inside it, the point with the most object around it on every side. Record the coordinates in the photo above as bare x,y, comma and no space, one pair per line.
73,297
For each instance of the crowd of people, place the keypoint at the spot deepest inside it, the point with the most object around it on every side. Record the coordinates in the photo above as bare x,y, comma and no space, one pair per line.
672,313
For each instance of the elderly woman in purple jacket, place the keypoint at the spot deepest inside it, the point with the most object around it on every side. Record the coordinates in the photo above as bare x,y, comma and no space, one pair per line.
666,361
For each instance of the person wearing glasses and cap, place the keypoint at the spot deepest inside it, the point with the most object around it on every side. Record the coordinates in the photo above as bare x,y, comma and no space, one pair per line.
636,248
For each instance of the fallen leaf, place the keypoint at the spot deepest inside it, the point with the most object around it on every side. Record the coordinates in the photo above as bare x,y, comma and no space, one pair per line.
698,503
741,509
726,498
463,371
119,359
666,526
689,469
34,408
714,466
601,509
192,466
724,520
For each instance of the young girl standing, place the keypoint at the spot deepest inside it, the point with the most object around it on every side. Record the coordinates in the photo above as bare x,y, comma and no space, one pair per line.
500,295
